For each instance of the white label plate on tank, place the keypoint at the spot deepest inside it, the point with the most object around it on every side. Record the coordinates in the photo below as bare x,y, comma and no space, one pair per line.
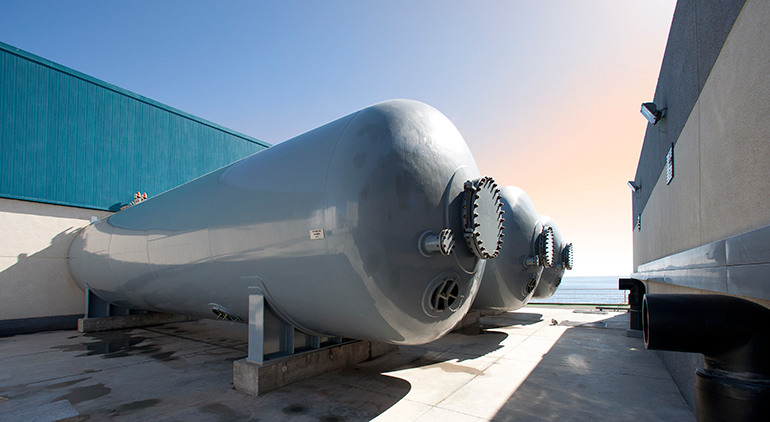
316,234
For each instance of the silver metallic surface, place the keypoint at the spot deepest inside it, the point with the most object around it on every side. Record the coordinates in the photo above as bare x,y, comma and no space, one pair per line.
552,275
736,265
326,225
508,283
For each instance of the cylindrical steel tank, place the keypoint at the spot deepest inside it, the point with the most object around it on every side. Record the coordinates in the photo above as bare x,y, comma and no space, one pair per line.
510,279
563,259
342,228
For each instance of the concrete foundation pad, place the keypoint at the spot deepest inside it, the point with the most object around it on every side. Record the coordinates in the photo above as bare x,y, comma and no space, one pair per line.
90,325
255,378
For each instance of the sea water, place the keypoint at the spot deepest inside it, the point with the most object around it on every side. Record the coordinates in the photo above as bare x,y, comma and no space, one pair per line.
588,289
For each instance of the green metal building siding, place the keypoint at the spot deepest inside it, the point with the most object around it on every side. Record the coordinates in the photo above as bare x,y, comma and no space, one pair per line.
67,138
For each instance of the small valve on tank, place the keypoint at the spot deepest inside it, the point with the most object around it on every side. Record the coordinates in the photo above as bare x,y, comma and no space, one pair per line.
430,243
546,250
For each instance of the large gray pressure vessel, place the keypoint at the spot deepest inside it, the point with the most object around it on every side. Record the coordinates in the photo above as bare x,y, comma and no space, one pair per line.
510,279
347,229
563,260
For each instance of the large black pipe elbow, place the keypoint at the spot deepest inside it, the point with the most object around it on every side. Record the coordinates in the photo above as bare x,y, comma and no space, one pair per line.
635,300
732,333
733,336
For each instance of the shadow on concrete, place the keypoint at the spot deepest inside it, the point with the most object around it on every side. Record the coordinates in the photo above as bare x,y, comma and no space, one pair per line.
45,270
511,319
589,373
181,371
357,393
594,373
468,345
459,346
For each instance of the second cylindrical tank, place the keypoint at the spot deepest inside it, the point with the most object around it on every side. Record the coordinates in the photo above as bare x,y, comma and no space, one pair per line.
551,278
510,279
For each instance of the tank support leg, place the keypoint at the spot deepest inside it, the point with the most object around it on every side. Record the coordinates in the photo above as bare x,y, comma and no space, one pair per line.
280,355
101,315
256,325
97,308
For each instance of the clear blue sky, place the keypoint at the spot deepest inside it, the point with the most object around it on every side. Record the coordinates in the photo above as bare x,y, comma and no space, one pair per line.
546,94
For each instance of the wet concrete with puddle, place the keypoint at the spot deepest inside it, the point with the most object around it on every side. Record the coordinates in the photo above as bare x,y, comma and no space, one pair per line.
520,367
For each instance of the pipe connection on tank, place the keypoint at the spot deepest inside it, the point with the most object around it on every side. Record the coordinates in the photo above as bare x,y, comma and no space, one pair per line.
546,250
732,335
532,261
567,258
431,243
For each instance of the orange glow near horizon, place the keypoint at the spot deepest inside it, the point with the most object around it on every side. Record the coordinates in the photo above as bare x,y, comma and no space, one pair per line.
573,154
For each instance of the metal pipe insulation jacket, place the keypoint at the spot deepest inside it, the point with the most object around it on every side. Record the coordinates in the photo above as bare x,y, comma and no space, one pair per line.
331,227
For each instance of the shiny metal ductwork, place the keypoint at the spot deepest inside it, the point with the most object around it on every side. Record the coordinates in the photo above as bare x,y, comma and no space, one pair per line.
733,337
563,260
354,229
510,279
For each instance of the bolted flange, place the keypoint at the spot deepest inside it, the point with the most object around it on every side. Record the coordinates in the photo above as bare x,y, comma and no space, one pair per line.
567,256
483,217
547,247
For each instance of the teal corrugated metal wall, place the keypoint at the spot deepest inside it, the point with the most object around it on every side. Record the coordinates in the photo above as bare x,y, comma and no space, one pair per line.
67,138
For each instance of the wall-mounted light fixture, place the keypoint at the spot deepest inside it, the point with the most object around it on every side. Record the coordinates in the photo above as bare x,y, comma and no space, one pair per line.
634,186
652,114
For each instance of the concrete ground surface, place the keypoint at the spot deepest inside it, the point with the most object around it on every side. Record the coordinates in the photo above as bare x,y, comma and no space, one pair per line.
522,367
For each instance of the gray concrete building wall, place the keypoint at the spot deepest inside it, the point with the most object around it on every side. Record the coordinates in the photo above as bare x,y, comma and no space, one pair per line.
698,31
721,153
721,156
37,290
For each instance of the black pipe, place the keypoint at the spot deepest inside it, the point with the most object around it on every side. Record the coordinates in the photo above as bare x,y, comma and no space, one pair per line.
733,336
635,298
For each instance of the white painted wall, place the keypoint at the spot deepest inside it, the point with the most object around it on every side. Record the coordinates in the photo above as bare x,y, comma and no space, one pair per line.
34,239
